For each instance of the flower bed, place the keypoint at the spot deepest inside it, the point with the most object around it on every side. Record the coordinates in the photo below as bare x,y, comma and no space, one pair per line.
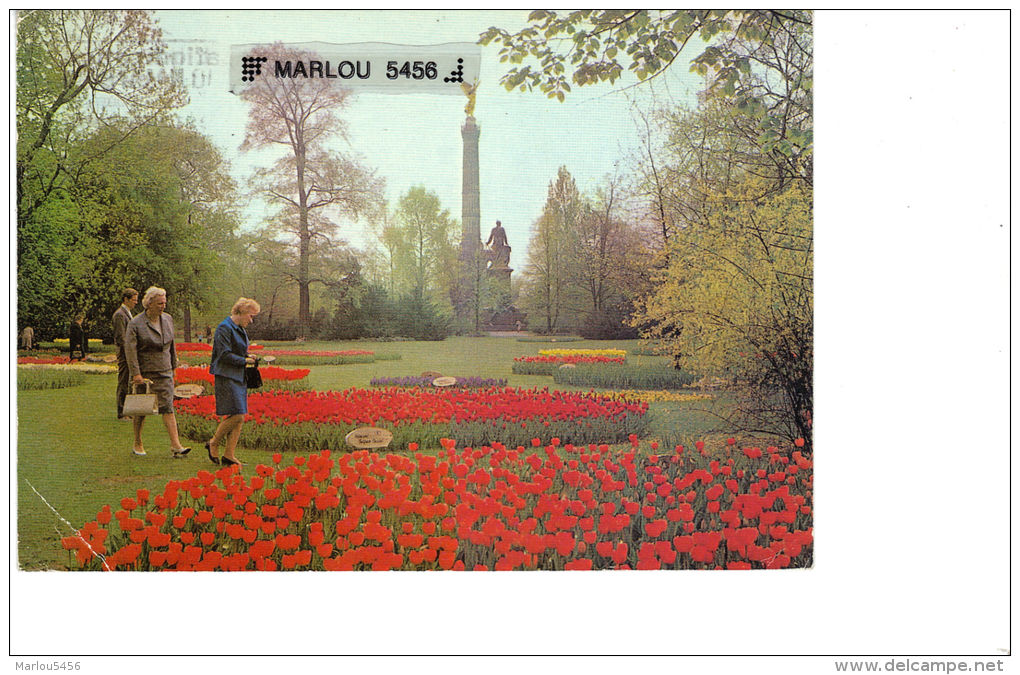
660,395
548,338
93,342
30,379
624,377
193,347
547,365
273,378
326,358
76,367
486,508
64,345
40,360
207,347
621,353
425,381
321,420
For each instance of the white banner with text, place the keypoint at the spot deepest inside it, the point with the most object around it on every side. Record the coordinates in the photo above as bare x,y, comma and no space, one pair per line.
368,66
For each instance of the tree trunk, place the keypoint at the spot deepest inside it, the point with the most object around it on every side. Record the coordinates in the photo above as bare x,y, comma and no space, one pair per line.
304,301
187,323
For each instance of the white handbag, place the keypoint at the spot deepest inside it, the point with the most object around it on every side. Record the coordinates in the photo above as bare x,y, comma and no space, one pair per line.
136,405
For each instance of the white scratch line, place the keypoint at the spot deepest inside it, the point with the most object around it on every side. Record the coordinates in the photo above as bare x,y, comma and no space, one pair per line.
73,529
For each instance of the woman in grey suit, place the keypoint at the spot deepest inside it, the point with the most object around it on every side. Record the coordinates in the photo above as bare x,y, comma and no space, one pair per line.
149,349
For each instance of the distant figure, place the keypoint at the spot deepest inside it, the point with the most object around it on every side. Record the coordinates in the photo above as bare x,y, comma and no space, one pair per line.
27,336
121,318
497,244
518,325
79,341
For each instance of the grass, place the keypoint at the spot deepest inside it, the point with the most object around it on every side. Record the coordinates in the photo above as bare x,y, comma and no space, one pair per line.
78,456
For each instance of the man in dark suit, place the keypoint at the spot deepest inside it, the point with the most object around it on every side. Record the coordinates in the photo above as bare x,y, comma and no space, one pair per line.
120,321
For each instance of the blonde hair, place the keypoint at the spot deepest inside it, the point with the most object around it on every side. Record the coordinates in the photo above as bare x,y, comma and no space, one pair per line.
245,306
152,292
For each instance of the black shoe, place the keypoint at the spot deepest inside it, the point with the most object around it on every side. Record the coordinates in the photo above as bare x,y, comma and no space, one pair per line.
208,448
226,461
179,454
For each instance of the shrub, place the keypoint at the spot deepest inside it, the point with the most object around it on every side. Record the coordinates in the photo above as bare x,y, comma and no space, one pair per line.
608,325
421,319
274,330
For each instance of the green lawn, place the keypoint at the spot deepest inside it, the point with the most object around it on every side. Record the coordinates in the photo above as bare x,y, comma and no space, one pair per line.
78,456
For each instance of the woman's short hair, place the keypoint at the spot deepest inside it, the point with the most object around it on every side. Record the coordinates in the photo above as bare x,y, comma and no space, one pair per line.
151,293
245,306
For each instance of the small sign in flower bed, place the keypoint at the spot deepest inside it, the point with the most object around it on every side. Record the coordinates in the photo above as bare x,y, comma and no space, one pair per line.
321,420
547,365
273,378
429,381
624,377
539,506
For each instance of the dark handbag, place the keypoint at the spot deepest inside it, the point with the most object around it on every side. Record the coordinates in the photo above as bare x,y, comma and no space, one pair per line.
252,376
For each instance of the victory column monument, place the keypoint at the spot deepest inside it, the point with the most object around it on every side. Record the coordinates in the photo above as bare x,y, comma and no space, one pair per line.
485,268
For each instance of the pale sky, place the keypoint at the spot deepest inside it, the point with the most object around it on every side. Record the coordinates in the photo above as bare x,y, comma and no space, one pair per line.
415,139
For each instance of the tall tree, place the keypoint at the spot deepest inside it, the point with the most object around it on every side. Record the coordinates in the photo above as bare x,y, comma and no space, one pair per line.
78,63
428,231
77,70
609,263
547,271
312,184
157,209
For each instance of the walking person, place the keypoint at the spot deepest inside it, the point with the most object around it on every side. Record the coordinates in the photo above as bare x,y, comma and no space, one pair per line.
27,336
151,355
229,359
79,340
121,318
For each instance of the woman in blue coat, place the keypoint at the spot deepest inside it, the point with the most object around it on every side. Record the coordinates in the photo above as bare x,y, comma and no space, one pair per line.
229,358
